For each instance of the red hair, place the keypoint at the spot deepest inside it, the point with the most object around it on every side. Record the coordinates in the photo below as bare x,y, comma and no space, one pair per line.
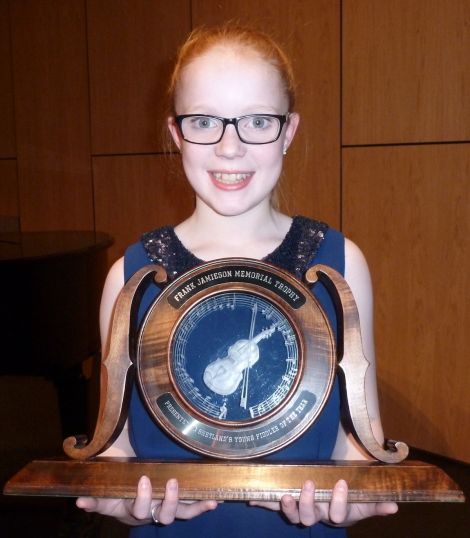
201,40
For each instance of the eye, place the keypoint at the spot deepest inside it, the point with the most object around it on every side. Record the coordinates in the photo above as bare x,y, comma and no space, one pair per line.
203,122
258,122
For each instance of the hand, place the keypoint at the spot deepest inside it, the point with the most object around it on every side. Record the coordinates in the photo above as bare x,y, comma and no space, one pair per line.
337,512
139,510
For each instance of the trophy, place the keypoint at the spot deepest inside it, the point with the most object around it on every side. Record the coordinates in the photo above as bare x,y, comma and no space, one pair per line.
235,359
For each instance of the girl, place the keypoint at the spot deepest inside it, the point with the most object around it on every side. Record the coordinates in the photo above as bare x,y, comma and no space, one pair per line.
233,95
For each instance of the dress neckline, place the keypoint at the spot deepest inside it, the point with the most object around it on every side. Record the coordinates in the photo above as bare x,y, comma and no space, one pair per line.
294,254
180,245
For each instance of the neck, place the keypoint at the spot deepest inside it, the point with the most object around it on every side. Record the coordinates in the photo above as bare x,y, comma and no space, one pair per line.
254,234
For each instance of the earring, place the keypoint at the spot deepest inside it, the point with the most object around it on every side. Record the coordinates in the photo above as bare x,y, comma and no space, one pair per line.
284,152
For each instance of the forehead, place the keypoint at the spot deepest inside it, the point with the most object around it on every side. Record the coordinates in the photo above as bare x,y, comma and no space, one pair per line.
228,82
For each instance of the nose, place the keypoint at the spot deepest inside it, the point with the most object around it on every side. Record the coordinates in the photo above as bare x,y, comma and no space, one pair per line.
230,145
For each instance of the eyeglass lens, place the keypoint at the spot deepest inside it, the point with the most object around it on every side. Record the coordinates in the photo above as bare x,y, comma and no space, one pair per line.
255,128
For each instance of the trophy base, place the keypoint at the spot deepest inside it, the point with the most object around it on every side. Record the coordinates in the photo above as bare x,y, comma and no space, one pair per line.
410,481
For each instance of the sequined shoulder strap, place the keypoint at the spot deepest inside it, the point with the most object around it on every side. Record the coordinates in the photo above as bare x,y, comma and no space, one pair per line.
300,245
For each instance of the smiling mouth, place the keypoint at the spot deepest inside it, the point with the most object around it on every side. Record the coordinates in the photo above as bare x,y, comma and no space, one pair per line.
231,178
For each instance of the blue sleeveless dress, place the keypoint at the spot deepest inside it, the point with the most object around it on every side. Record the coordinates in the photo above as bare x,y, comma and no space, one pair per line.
308,242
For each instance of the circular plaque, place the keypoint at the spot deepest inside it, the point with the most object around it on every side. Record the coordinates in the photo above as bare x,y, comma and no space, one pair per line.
235,358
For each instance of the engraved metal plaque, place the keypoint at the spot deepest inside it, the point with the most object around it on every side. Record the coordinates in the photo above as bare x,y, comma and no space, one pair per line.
235,360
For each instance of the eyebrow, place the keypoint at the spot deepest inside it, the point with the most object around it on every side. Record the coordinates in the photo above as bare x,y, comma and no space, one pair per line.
249,111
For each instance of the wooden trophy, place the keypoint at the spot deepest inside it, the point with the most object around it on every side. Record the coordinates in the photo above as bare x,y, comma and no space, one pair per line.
235,359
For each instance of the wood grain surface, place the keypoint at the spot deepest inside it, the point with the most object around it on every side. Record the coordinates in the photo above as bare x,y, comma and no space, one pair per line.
114,477
406,71
409,209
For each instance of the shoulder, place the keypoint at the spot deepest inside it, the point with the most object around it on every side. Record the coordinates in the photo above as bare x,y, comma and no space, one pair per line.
356,268
354,257
112,287
116,274
358,277
113,284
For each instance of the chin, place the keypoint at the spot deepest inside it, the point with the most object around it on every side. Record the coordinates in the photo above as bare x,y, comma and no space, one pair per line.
229,212
235,210
234,206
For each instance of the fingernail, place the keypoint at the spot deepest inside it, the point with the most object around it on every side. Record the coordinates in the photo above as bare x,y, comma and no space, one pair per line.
309,486
173,484
144,482
287,500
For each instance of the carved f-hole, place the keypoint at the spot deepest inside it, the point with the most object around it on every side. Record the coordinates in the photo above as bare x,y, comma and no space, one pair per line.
117,368
353,365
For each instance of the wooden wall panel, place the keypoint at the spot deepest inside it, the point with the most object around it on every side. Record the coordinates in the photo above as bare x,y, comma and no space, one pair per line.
131,44
51,106
405,79
134,194
409,209
8,189
406,74
309,30
7,130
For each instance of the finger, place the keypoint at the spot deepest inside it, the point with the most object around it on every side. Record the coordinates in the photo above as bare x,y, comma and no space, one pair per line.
307,514
142,504
360,511
109,507
386,509
89,504
270,505
167,512
339,503
289,508
188,511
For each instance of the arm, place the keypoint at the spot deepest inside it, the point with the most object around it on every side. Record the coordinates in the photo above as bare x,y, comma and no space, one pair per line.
357,276
112,287
338,511
137,511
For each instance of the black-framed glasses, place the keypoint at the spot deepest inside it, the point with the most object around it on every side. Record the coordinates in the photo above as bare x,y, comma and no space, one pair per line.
251,129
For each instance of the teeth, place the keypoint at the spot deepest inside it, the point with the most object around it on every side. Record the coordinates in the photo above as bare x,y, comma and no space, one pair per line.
230,178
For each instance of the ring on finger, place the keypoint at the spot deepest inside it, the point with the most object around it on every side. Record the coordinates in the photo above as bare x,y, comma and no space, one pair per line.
152,513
